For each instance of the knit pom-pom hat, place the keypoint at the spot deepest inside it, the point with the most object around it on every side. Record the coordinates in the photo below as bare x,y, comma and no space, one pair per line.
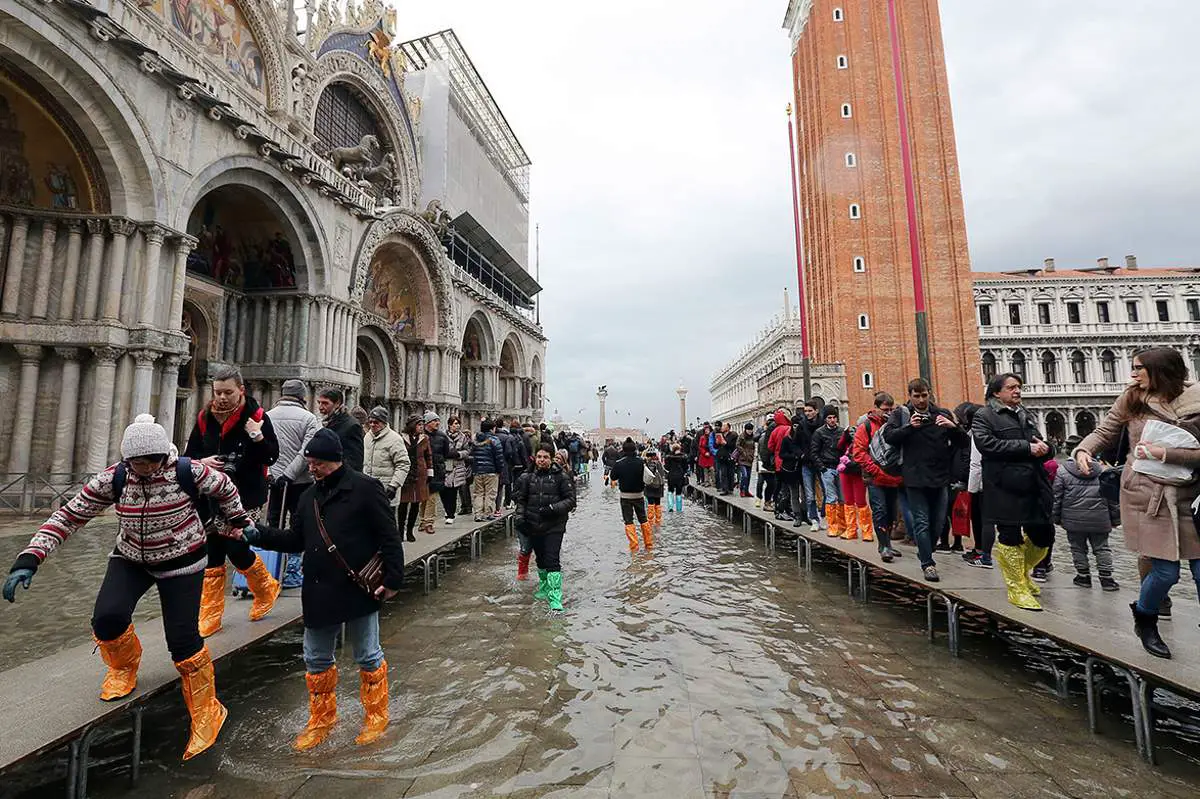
144,438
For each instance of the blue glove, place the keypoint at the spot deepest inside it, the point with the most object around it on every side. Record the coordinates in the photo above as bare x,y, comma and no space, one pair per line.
251,533
17,577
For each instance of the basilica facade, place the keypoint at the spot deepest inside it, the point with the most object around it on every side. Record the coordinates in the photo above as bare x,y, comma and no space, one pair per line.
191,183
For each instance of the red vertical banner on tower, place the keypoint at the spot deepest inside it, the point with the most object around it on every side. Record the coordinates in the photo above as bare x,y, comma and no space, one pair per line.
803,295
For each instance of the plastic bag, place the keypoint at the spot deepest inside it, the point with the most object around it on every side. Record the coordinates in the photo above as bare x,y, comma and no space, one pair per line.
1165,434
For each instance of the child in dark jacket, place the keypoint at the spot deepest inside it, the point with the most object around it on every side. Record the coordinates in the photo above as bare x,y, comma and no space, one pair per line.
1088,519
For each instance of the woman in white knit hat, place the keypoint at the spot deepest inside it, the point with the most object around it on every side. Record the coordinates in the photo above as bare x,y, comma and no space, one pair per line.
160,543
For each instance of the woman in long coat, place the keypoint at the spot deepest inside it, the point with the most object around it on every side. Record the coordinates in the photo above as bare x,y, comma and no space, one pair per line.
416,487
1156,518
1017,495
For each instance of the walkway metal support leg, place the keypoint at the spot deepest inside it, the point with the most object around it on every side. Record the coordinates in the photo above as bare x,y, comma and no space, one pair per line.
135,770
929,613
425,567
952,618
1089,689
84,750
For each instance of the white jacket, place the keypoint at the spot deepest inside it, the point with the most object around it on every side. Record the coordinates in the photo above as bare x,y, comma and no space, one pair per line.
975,476
294,426
386,459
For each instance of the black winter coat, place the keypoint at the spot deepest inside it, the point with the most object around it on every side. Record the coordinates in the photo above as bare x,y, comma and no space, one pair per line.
927,449
677,465
443,450
1016,488
210,437
766,461
728,451
544,500
351,433
360,522
794,449
824,450
630,474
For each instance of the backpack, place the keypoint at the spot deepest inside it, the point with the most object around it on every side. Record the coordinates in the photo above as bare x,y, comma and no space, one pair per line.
183,473
887,457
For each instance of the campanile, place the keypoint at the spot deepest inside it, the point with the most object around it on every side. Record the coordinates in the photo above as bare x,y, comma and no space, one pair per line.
854,193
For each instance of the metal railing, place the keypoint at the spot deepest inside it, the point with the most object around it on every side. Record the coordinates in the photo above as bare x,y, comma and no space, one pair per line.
39,492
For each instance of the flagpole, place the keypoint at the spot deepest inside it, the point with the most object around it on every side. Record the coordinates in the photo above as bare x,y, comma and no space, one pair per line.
804,355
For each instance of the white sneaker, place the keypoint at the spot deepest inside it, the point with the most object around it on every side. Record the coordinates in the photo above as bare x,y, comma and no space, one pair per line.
821,524
758,503
449,520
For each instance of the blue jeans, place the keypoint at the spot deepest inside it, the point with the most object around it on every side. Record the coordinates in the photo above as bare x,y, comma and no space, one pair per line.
363,633
1163,574
883,513
809,475
525,542
744,478
928,507
831,486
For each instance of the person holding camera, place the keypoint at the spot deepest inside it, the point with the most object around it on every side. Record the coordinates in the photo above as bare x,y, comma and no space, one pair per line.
544,498
234,435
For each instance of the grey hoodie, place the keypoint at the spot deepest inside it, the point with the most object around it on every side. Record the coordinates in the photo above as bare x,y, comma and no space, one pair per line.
1078,505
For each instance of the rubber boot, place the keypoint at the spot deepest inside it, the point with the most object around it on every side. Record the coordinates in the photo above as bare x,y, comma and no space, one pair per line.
322,708
1033,556
523,566
200,696
679,503
866,523
849,523
833,518
671,502
631,535
543,586
1012,566
648,535
555,592
212,601
122,655
1145,626
373,691
263,586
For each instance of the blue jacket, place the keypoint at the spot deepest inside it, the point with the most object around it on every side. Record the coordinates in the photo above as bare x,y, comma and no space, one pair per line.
487,456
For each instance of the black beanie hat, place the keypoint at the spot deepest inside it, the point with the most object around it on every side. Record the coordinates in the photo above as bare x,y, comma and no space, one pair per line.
628,446
324,446
830,410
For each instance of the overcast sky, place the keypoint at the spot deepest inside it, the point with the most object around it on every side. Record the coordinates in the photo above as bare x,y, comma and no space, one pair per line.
660,178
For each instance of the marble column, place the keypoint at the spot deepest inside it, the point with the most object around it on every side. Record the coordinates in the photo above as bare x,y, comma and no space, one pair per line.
143,378
183,248
26,404
168,392
100,417
11,297
323,332
271,345
70,286
287,317
62,461
149,313
45,270
256,350
118,262
244,333
302,336
95,268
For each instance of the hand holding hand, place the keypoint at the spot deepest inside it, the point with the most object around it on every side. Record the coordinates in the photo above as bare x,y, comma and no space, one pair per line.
251,533
383,593
391,492
1083,460
214,462
22,577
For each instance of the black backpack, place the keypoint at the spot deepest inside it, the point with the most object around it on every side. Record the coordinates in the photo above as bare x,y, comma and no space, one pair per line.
183,473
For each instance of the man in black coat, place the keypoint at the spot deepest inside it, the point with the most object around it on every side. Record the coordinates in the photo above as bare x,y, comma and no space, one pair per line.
331,404
234,435
341,522
927,435
544,498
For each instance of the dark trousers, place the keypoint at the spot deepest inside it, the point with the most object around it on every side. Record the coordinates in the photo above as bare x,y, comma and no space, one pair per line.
928,508
238,552
1042,535
406,516
464,497
632,507
449,498
983,532
126,582
764,486
283,499
744,478
884,503
546,551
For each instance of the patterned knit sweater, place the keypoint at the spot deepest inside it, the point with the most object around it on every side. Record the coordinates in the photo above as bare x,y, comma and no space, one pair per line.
158,526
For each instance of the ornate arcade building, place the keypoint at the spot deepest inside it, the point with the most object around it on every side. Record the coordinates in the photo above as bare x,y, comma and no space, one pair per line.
188,183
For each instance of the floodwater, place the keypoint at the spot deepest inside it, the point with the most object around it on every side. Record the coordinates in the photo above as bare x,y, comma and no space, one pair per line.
708,669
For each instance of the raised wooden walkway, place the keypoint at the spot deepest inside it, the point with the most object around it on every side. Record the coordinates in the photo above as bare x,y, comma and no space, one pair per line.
1096,624
54,701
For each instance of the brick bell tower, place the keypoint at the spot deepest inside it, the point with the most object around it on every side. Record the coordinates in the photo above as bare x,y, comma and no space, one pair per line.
855,196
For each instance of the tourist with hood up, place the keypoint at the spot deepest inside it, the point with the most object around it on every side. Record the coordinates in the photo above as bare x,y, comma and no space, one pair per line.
161,544
385,457
825,455
629,474
781,432
544,498
764,486
345,527
234,434
677,467
793,449
331,404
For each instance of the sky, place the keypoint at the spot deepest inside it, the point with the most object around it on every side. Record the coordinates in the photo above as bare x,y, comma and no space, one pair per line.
660,179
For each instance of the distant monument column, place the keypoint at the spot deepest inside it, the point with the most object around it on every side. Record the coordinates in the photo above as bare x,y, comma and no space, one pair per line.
602,395
682,392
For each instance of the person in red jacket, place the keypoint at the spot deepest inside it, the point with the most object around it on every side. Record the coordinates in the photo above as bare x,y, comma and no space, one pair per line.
782,430
883,488
706,458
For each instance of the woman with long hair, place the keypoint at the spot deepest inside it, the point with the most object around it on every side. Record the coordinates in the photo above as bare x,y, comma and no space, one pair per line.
416,486
1156,517
1017,495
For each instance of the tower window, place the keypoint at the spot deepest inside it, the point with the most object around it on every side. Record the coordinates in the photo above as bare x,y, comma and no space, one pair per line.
1073,316
1043,310
855,211
864,322
1164,310
1014,314
846,110
851,161
838,16
868,380
1131,310
1102,312
843,62
985,315
860,265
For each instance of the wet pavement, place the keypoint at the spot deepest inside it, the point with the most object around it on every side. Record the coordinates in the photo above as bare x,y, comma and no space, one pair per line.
705,670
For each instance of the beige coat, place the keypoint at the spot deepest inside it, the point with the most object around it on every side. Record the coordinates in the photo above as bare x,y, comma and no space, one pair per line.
386,459
1156,518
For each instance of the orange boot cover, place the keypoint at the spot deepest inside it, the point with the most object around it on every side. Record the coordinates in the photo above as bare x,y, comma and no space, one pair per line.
122,657
648,535
833,518
264,587
322,708
866,523
373,690
212,601
200,696
631,534
849,522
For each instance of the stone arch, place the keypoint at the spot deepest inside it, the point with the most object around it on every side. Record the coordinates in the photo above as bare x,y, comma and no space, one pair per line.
251,180
479,339
377,363
400,294
415,234
1085,423
518,364
1056,427
60,69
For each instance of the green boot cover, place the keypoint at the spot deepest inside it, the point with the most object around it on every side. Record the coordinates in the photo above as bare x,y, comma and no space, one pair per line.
554,591
543,589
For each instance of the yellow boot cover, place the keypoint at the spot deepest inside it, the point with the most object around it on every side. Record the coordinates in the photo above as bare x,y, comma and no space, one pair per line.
631,534
373,690
122,657
212,601
648,535
1033,556
1012,566
322,708
264,587
200,696
866,523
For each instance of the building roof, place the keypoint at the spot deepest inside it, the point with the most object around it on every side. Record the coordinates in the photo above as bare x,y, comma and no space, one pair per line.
478,237
1091,273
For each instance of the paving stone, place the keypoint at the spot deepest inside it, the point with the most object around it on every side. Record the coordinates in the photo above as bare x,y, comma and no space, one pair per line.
906,767
834,781
340,787
642,777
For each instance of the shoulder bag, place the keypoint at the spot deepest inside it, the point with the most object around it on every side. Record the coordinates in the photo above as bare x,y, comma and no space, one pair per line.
370,577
